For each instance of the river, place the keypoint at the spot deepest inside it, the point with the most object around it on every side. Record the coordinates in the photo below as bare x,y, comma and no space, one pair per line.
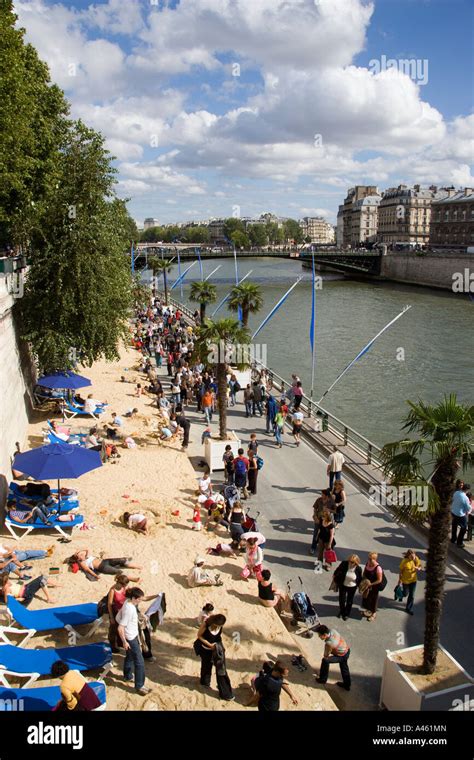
427,353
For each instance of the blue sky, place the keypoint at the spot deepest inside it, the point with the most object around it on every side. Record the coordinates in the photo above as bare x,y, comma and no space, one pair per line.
310,112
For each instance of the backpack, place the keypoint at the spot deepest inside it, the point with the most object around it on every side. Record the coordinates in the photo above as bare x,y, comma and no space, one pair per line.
383,582
240,468
259,463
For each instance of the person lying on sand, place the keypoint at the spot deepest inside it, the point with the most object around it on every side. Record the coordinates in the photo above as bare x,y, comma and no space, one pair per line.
25,592
136,521
93,566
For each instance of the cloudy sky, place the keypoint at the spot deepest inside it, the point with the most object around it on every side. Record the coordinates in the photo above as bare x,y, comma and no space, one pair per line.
219,107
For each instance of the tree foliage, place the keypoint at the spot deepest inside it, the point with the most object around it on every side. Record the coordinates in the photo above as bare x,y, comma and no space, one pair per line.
79,289
248,296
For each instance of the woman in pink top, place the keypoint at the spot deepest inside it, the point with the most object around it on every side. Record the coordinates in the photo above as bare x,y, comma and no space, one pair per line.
115,602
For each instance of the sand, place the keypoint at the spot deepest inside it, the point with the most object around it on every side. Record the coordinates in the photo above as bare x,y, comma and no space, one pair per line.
447,674
158,479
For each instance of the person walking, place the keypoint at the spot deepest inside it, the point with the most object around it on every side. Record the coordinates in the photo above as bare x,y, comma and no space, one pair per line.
460,509
248,401
211,650
127,620
373,573
297,419
257,399
297,395
228,459
279,424
185,424
252,472
325,501
339,495
334,468
116,598
347,577
206,405
241,467
337,650
269,687
271,409
409,568
325,540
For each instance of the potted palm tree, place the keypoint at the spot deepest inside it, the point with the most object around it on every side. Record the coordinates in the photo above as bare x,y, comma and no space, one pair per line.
426,677
214,345
247,296
161,267
203,292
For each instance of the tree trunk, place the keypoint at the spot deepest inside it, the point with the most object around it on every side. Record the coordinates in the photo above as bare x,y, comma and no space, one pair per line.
222,400
245,316
438,543
203,312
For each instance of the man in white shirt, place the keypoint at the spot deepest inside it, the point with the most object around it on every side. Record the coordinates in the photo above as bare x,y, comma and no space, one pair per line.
297,419
334,469
200,577
127,619
90,404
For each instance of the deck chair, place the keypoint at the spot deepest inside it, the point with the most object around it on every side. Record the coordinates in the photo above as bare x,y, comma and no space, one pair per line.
43,698
54,618
41,396
73,410
30,664
12,525
14,492
72,438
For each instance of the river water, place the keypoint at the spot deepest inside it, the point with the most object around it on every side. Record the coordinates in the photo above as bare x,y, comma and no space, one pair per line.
427,353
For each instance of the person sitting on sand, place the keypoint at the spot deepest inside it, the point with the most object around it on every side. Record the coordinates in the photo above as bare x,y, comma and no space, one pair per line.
205,485
136,521
268,595
25,592
76,694
199,577
93,566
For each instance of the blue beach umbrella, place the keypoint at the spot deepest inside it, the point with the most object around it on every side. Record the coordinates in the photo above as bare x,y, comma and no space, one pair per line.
56,461
64,380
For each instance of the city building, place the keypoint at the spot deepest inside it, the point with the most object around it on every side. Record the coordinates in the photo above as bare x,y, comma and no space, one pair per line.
364,220
150,222
340,227
317,229
452,219
404,214
354,194
216,230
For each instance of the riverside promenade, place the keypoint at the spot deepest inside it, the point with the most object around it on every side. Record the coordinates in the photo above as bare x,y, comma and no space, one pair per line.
288,484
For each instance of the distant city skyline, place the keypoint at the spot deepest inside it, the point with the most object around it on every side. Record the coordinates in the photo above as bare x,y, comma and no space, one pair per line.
214,106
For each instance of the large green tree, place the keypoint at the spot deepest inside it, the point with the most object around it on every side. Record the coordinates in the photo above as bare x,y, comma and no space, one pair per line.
292,231
33,124
248,296
79,288
203,293
215,340
258,235
444,443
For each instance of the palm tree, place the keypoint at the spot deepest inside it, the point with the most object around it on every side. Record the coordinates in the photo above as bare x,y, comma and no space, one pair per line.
161,266
445,443
203,292
214,342
248,296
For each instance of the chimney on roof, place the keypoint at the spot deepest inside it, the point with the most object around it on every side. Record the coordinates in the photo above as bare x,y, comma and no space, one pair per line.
468,190
417,188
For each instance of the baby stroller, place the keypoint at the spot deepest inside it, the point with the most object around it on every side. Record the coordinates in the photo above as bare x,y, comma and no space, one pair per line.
302,611
250,523
231,495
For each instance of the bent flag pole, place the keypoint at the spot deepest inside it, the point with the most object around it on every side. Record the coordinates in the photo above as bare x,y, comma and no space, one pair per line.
276,307
213,272
364,351
181,277
226,297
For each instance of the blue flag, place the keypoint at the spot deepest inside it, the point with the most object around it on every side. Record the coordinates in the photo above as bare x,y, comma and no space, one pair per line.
313,311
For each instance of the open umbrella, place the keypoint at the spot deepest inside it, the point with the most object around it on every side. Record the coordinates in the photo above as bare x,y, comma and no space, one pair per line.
56,461
64,380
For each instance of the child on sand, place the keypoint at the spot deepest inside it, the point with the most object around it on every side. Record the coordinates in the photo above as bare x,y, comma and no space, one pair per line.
206,612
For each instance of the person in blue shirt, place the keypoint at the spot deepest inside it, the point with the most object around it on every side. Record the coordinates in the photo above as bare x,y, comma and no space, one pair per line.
271,409
460,509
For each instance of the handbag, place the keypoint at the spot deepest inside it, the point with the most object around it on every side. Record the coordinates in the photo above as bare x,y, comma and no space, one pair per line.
334,586
364,587
245,572
330,556
398,593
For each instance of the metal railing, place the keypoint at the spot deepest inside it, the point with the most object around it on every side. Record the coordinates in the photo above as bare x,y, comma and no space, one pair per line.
328,422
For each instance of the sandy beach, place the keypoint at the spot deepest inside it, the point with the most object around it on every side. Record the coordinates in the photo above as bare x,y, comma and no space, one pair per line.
158,479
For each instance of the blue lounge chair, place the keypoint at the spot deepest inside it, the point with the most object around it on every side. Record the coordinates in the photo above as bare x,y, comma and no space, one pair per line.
43,698
49,619
55,524
52,436
14,492
33,663
71,410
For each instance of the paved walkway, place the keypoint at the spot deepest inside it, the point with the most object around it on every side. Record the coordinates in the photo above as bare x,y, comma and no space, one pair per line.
288,484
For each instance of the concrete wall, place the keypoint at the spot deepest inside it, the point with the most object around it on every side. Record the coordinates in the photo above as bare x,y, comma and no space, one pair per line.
435,271
16,372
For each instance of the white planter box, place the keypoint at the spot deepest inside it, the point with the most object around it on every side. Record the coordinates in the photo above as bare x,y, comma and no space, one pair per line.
399,693
214,451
